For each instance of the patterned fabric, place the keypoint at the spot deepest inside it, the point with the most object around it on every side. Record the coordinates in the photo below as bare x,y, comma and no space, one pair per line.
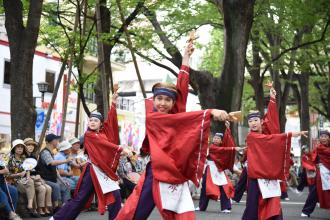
15,166
125,167
46,157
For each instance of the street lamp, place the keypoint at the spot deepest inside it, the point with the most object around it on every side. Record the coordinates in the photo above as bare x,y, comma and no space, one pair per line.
43,87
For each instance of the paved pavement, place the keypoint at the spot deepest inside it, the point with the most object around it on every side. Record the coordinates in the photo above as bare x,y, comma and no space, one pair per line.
291,209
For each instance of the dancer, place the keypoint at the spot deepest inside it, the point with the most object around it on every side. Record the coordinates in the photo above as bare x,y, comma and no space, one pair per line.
267,158
177,143
320,192
284,184
99,175
216,184
240,187
308,172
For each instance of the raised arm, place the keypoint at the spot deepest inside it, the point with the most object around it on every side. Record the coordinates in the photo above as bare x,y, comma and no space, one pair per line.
182,84
110,127
271,124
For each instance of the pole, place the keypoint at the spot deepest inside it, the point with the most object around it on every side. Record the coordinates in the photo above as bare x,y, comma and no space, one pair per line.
130,47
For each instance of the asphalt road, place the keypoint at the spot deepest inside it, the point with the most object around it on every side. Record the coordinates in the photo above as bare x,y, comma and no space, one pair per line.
291,209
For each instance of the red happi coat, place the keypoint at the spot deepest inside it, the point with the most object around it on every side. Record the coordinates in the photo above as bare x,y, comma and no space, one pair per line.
268,156
103,151
308,162
177,143
283,184
323,155
224,158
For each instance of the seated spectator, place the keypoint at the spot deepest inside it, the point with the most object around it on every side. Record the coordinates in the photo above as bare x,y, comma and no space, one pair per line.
47,170
129,171
19,177
65,169
43,191
79,159
8,193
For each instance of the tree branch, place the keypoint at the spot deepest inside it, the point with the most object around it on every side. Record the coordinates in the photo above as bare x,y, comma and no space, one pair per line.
169,46
297,47
127,22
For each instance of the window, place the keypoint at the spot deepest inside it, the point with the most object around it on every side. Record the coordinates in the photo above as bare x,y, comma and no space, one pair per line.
50,78
6,75
126,104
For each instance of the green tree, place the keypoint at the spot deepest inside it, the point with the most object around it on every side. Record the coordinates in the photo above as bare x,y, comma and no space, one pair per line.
22,25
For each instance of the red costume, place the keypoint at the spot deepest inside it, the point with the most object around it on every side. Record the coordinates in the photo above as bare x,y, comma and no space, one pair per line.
323,157
103,151
308,163
224,158
177,143
268,156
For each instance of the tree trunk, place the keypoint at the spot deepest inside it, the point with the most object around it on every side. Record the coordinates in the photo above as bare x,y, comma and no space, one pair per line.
102,86
304,116
224,92
22,44
238,18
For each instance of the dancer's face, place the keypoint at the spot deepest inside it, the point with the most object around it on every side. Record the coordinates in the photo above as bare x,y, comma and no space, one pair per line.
163,103
94,123
217,140
324,139
255,124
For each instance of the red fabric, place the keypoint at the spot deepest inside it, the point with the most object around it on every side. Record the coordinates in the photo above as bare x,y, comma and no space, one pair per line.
128,211
98,144
177,148
271,122
323,154
223,157
228,139
308,161
178,145
323,195
261,148
213,191
269,208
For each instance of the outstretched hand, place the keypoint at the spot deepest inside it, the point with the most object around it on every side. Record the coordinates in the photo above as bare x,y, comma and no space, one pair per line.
187,54
240,148
219,115
272,91
300,133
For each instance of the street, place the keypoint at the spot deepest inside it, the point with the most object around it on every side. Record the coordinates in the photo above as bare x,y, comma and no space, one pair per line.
291,209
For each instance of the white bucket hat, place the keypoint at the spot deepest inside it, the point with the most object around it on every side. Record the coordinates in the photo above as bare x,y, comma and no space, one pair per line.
74,140
16,143
64,145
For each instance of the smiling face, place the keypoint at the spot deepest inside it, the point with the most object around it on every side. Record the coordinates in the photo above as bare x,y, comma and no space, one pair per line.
324,139
94,124
163,103
255,124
